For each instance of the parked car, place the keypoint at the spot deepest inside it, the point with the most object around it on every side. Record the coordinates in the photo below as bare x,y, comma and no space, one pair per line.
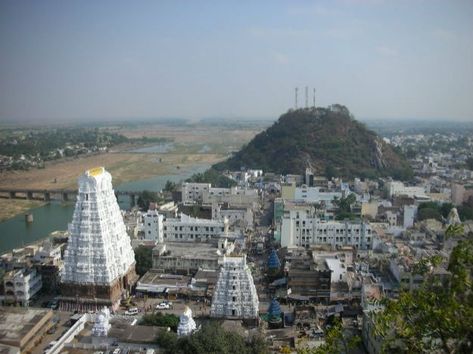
132,311
163,306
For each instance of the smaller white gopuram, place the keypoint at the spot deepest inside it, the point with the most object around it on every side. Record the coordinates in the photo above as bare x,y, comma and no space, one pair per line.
235,295
186,323
102,323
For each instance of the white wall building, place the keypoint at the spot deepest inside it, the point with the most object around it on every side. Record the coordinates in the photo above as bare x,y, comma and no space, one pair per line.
48,253
186,228
192,193
237,217
316,195
396,188
301,227
20,286
233,196
153,226
410,212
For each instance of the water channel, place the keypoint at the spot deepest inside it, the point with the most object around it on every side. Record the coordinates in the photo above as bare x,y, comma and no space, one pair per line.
15,232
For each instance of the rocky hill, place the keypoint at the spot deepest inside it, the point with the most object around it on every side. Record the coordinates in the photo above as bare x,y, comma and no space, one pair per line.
329,140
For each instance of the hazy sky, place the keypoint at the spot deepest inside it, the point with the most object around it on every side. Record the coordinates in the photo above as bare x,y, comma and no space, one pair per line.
70,60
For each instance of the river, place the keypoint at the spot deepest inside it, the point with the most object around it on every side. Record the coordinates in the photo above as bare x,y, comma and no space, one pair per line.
15,232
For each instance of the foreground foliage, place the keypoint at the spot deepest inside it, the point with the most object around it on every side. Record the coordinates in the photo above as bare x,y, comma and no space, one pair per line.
336,341
211,338
438,317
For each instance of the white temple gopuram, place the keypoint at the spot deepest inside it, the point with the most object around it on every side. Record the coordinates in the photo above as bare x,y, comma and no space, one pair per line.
186,323
235,294
99,263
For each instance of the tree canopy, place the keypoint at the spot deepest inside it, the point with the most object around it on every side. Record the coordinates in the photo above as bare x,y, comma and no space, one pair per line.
211,339
161,320
143,259
437,317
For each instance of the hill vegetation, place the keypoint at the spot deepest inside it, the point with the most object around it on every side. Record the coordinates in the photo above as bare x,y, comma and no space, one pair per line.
329,140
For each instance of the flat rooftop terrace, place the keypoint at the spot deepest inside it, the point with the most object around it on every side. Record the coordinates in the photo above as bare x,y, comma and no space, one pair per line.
18,325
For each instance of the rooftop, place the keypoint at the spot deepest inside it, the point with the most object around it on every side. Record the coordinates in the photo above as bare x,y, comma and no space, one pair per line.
187,250
17,323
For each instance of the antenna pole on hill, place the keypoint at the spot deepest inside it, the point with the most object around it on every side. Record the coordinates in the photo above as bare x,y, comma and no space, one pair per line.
314,98
306,97
295,103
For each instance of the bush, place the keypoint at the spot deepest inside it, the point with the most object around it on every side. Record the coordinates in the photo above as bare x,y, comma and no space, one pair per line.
161,320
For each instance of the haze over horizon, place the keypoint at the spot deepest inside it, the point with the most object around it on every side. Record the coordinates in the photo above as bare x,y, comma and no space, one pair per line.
115,60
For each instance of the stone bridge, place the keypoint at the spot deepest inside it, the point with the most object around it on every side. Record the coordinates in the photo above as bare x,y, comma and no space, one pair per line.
53,194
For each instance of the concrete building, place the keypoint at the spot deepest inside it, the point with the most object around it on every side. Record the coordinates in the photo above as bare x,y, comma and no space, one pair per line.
316,195
20,286
369,209
241,218
155,282
288,191
22,329
461,193
396,188
153,226
99,263
302,227
187,258
308,277
192,193
235,295
189,229
234,196
410,212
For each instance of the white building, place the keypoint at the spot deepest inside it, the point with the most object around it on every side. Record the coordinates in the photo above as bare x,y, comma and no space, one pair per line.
316,195
410,212
396,188
153,226
301,227
186,228
237,217
20,286
233,196
192,193
48,253
235,295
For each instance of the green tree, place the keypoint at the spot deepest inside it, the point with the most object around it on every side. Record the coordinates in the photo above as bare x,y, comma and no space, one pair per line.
161,320
437,317
212,338
143,259
344,207
145,198
469,163
337,340
429,213
170,186
214,177
454,230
